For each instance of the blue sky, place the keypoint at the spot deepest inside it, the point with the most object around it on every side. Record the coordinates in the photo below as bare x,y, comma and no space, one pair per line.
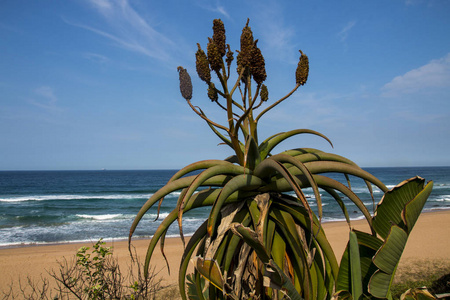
93,84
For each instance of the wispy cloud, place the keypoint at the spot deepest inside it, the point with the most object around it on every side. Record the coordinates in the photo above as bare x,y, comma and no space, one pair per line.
128,29
44,97
98,58
277,37
343,34
213,6
435,74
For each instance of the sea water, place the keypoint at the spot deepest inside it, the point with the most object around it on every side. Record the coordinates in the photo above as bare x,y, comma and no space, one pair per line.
41,207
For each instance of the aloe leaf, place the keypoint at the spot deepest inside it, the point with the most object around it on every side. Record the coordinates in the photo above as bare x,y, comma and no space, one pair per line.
228,169
327,182
286,284
193,292
229,215
273,272
198,235
300,214
389,210
200,165
288,159
319,167
278,253
299,251
311,154
251,154
232,246
267,167
209,269
251,238
235,184
167,189
273,141
339,201
179,184
202,198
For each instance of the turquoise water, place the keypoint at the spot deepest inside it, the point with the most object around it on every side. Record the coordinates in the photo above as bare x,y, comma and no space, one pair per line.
38,207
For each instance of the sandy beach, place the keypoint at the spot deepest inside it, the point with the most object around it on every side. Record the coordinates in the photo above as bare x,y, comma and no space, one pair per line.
430,240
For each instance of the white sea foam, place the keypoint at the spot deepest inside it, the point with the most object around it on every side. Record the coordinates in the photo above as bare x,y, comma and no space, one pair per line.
74,197
100,217
445,198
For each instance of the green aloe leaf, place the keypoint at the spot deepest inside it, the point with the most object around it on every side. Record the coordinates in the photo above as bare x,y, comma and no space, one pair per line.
270,143
210,270
269,166
193,292
282,158
326,182
228,169
251,238
244,181
200,165
176,185
302,219
251,154
285,283
188,251
319,167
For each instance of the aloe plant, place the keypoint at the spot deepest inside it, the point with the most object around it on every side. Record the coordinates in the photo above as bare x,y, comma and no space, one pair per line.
262,239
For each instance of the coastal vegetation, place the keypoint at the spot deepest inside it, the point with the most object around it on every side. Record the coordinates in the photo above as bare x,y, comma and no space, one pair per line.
263,238
92,273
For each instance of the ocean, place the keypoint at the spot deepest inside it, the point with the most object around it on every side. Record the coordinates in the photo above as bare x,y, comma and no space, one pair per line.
46,207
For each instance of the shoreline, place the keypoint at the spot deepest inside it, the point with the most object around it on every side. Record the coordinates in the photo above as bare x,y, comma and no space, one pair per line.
428,240
114,240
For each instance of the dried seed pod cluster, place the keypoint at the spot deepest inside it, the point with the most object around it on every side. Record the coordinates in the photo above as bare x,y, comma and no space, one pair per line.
185,83
251,68
301,74
202,65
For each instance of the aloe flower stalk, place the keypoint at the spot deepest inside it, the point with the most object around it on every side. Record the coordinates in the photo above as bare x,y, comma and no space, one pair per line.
262,239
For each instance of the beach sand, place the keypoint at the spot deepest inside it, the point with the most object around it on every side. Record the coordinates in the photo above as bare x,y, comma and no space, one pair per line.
429,240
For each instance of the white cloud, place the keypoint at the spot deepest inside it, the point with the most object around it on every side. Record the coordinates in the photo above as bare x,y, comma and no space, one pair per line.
277,39
435,74
128,29
343,34
214,7
101,59
46,98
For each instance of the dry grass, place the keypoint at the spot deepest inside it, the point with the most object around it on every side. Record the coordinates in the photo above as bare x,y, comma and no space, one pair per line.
414,273
168,292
